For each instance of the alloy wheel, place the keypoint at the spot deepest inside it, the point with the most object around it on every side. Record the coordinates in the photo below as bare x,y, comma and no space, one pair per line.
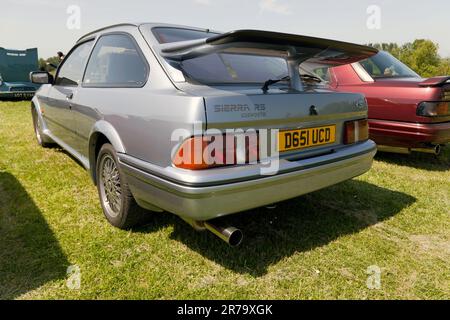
110,187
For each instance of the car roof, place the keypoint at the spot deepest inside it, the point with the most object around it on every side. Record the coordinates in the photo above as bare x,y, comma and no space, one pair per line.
137,25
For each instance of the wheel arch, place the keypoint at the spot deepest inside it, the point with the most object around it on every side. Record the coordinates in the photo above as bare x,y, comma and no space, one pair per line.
102,132
34,104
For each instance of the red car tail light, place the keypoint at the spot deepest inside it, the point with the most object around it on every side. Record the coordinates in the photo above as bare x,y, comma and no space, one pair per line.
190,154
356,131
434,109
199,153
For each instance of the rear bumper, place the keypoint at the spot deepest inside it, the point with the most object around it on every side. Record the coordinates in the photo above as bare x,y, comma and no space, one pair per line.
200,201
22,95
408,134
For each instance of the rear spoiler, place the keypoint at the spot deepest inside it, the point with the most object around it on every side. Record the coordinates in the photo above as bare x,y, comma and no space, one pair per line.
315,50
435,82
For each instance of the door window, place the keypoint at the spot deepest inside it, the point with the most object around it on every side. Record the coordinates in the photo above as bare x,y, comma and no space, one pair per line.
71,71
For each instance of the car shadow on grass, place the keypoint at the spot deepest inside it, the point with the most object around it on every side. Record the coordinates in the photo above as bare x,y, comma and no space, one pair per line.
424,161
296,225
30,255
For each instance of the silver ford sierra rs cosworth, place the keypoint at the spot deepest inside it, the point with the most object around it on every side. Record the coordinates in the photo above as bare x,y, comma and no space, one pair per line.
200,123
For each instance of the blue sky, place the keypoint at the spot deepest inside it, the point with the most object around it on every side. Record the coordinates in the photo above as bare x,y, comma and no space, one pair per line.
43,23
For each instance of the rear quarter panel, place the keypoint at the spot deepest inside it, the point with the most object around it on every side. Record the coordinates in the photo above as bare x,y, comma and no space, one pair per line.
144,119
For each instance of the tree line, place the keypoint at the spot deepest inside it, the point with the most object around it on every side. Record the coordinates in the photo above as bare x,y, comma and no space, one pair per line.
421,55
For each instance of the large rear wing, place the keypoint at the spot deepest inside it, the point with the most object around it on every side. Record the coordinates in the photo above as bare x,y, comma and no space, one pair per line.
294,47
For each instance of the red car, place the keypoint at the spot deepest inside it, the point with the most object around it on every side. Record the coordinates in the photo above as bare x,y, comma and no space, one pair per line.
406,112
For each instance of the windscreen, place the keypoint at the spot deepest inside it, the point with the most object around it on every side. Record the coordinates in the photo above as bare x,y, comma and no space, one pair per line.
384,65
223,67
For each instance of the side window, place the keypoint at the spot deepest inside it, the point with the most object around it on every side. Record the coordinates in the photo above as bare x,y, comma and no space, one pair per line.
170,34
71,72
116,62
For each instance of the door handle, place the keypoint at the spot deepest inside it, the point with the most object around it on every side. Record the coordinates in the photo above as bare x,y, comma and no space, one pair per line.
69,96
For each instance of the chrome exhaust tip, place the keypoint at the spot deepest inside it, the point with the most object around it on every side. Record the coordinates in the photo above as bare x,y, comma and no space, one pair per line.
436,149
230,235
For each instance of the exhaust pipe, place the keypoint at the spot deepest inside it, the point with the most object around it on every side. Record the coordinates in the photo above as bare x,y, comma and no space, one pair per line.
434,149
230,235
393,149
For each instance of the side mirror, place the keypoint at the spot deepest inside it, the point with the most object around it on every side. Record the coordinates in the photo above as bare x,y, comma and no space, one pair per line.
41,77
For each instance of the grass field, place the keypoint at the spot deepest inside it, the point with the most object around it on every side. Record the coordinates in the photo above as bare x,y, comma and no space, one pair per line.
323,245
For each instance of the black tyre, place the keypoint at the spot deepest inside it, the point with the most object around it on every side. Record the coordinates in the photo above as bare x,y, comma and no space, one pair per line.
41,140
116,199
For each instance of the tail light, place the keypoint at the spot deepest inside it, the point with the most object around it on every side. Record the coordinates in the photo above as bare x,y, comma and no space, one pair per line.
434,109
205,152
356,131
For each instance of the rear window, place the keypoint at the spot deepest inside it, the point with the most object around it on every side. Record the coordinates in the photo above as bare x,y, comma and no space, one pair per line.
229,68
223,68
323,73
168,35
384,65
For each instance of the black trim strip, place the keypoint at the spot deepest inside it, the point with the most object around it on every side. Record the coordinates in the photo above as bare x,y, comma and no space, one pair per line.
108,27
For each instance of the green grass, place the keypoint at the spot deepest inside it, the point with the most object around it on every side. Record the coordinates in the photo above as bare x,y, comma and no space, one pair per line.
396,217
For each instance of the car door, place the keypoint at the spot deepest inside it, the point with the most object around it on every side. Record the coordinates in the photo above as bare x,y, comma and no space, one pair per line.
58,114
